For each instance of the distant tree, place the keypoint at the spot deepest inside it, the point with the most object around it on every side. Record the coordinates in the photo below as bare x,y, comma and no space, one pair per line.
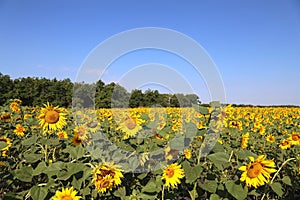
192,99
6,89
151,98
136,99
84,95
120,97
37,91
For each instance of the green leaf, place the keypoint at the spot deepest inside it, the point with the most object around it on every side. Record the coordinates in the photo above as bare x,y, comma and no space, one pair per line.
210,186
77,152
286,180
32,157
150,187
24,174
74,168
39,169
214,197
120,192
191,173
244,154
54,168
237,191
203,110
277,188
219,159
38,193
30,141
177,143
2,144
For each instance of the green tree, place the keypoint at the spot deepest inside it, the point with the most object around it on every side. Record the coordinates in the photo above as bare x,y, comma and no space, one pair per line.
136,99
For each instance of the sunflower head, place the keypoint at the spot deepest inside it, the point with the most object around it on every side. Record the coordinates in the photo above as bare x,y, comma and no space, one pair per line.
14,106
258,171
52,118
187,153
294,138
106,176
172,175
6,117
270,138
285,144
245,138
66,194
130,126
19,131
5,149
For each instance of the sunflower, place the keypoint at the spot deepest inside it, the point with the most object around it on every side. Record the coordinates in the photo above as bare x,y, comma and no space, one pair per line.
82,133
76,139
172,175
19,131
52,118
93,126
106,176
258,171
14,106
66,194
187,153
130,126
245,138
6,117
62,134
5,149
270,138
294,138
285,144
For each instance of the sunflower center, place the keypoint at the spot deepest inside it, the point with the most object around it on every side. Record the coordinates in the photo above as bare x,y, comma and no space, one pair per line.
295,137
130,124
52,117
3,140
105,184
170,173
66,197
254,170
285,143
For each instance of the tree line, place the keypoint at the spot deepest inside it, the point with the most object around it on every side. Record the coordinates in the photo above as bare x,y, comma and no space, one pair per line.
36,91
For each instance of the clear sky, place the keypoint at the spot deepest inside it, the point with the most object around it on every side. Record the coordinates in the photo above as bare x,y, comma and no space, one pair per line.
255,44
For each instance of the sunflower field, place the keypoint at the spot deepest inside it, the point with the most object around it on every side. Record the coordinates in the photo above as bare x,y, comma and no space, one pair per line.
200,152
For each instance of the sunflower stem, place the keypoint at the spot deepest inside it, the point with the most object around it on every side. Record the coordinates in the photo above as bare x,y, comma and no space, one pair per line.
163,193
284,163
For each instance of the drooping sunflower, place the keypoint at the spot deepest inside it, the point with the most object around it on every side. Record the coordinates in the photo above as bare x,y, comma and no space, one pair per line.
66,194
5,149
106,176
245,138
52,118
19,131
172,175
257,172
130,126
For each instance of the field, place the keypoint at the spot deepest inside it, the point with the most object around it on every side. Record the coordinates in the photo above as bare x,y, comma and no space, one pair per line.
212,152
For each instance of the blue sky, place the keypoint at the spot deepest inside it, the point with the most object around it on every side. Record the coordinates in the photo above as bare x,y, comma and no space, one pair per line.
254,44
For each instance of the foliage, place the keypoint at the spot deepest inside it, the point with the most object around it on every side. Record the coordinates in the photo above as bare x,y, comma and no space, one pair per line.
36,91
